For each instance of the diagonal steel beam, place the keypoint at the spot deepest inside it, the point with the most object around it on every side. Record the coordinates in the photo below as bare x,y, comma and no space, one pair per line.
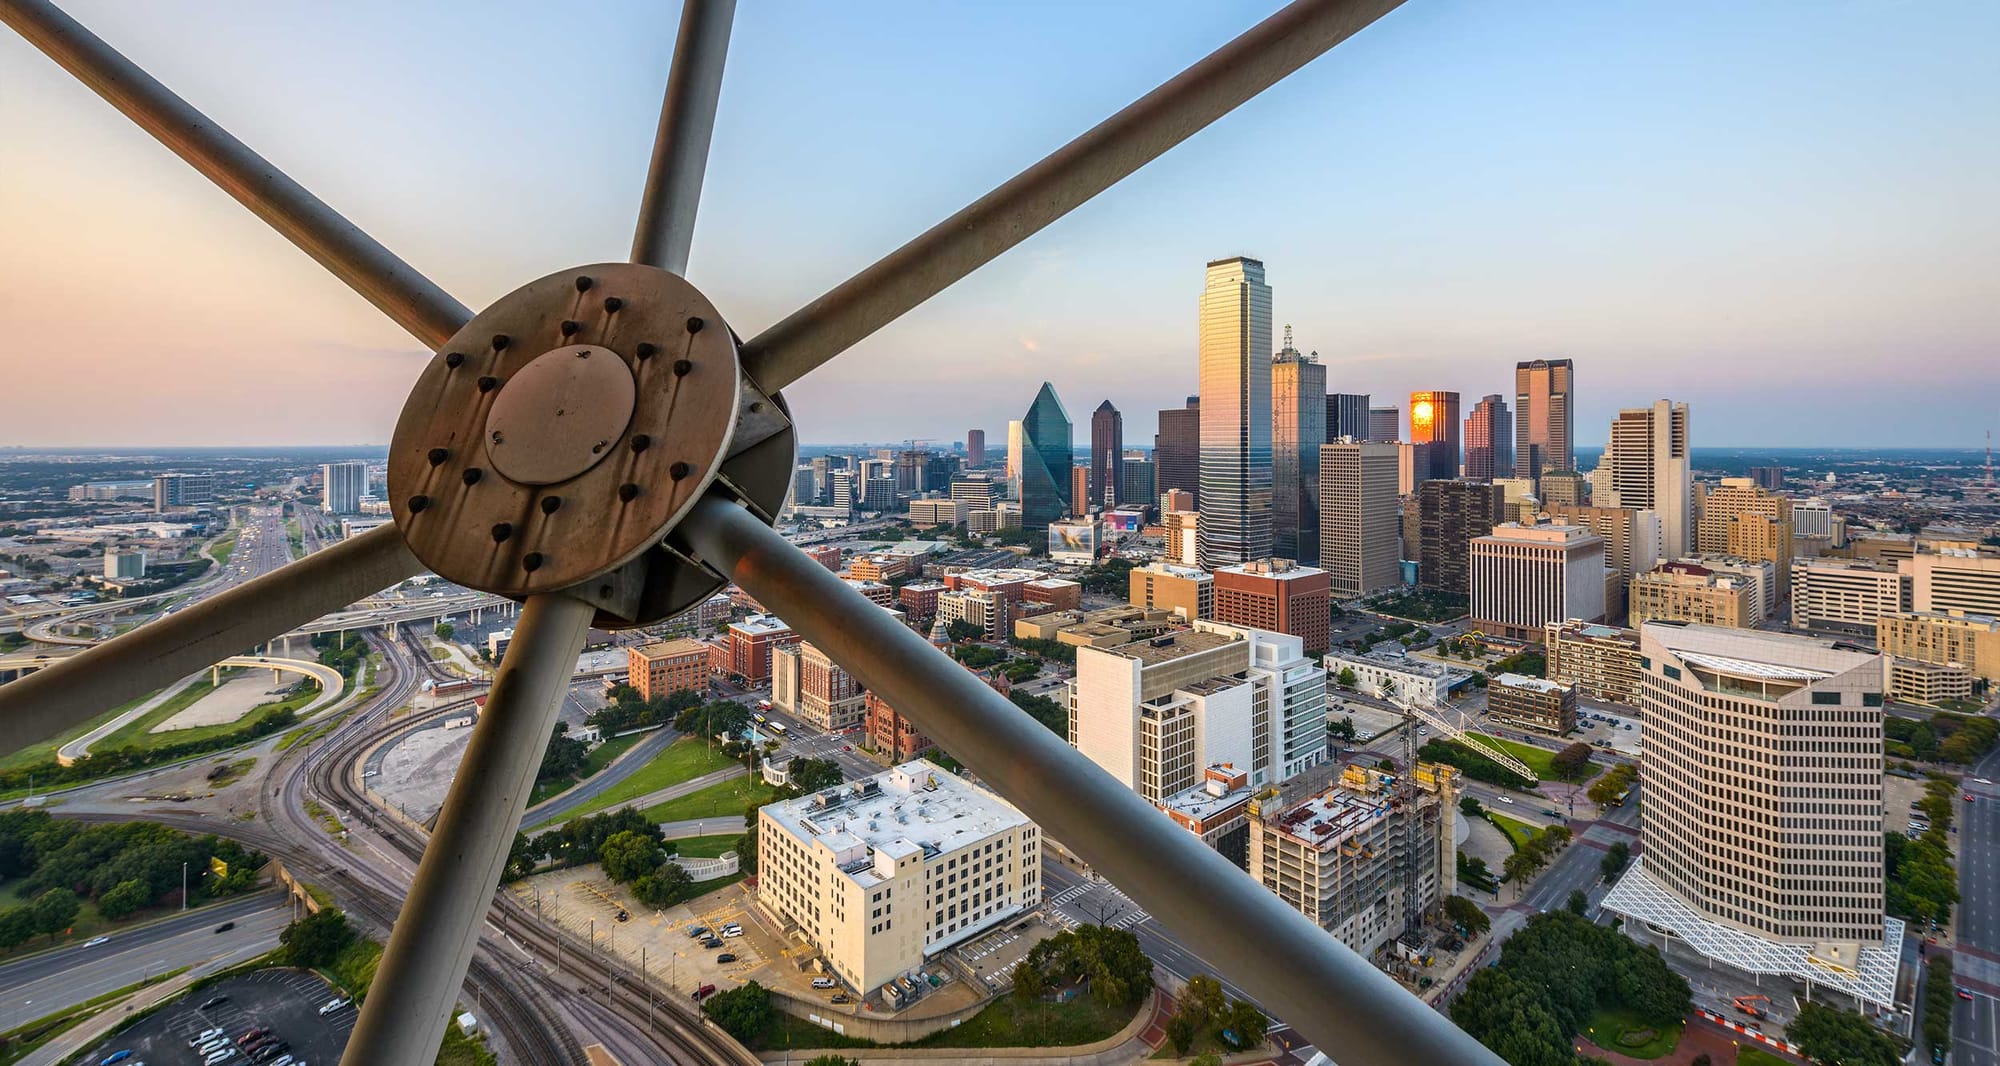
423,967
428,312
1293,967
680,147
124,668
1050,189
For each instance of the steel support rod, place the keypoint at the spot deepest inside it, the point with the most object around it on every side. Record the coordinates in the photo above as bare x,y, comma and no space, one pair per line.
423,968
428,312
1295,969
680,146
1050,189
79,687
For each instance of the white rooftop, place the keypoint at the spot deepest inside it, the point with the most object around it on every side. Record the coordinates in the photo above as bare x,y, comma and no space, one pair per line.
1191,573
902,810
761,624
1524,681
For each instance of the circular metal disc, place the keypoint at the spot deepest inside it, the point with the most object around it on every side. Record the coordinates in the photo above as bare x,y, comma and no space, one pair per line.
559,511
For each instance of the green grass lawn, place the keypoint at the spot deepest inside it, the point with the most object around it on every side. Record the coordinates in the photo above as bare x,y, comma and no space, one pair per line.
1008,1023
1518,832
137,735
1540,760
683,760
46,750
1751,1056
223,548
706,847
1609,1029
598,758
734,796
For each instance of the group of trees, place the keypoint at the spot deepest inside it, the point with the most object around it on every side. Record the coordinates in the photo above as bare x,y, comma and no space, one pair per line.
1107,962
576,842
1112,578
1553,975
1830,1035
626,710
1940,999
743,1012
1466,915
1570,763
640,859
1472,870
1616,858
1048,649
978,656
1344,729
1471,763
1614,783
1954,738
1528,859
1044,710
1919,882
341,652
563,758
1203,1007
316,940
55,866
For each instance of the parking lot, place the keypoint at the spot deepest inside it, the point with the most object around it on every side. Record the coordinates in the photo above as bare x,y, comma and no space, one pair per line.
284,1000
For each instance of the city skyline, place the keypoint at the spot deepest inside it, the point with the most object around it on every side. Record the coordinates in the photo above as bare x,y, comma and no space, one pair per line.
1460,254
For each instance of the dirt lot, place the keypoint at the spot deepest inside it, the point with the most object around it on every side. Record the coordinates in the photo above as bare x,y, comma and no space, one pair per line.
587,903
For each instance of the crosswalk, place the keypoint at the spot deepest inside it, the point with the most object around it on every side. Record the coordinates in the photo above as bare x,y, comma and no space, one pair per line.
1069,894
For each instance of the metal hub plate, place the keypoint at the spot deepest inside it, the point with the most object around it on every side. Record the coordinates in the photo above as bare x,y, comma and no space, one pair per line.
597,457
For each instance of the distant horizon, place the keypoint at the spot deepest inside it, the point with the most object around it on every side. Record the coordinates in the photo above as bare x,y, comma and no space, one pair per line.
933,445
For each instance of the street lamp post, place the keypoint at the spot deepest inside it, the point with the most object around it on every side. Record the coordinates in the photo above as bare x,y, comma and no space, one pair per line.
184,886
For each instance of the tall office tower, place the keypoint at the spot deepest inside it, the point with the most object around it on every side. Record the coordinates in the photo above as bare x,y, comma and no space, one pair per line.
1298,429
1079,491
909,470
1278,595
1761,832
1645,467
1045,458
1544,418
1385,423
822,474
878,494
1235,497
1177,450
1358,535
172,492
1739,518
1434,421
1489,440
1155,713
975,448
802,487
341,486
1631,538
1347,416
806,683
1413,466
1175,500
939,469
1107,457
841,490
1017,443
1768,477
1183,540
975,492
1453,513
1140,483
1524,577
1560,488
1186,592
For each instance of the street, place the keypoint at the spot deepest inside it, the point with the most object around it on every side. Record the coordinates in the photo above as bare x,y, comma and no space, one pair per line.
1976,962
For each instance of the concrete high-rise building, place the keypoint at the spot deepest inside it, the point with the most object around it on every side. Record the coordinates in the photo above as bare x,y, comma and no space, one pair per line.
1187,591
1413,466
1533,703
1956,579
1347,416
808,684
1155,713
1079,491
1140,480
120,565
1277,595
1847,595
1565,488
750,643
878,494
1631,538
1385,423
1451,515
341,486
1971,641
1601,661
1524,577
1739,518
884,873
1434,421
1686,591
1183,536
1176,500
1047,451
1489,440
1107,457
1017,445
1298,429
175,492
1235,347
1358,538
974,492
1768,477
975,448
1544,418
1761,833
1177,450
1645,467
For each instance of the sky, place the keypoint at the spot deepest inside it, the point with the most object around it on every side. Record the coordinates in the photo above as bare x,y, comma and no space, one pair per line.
1780,212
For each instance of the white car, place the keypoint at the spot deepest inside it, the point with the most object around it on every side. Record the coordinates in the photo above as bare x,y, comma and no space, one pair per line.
822,982
331,1005
1506,799
218,1055
204,1036
732,932
96,940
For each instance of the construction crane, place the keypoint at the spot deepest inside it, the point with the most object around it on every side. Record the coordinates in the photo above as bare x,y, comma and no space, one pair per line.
1430,717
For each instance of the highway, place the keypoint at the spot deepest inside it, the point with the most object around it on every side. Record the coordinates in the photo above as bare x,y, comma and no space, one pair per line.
556,808
43,984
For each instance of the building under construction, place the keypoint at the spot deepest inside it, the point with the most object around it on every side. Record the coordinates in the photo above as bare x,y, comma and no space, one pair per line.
1365,858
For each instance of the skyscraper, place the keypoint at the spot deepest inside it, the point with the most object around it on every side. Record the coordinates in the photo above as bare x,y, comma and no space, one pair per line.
975,448
1434,421
1357,518
1647,464
1044,461
1177,449
1298,430
1235,349
1385,423
1347,416
1107,456
1544,418
1139,481
341,486
1452,514
1489,439
1017,445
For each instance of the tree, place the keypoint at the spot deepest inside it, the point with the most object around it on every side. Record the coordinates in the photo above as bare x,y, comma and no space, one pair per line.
1344,729
960,630
316,939
1578,903
1470,806
445,630
741,1012
667,885
832,1060
1829,1035
54,911
1570,762
1247,1021
1346,678
1614,860
812,775
124,898
1466,915
1204,994
1182,1029
1030,983
563,757
628,856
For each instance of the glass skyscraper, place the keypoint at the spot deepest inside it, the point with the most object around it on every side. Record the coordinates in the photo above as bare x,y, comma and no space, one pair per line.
1298,430
1544,418
1235,413
1046,458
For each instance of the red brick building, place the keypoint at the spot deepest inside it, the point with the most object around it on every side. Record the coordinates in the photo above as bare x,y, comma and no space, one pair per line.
1059,594
669,666
1278,595
893,736
919,599
750,643
825,555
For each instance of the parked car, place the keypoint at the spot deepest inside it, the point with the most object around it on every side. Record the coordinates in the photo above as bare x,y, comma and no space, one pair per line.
270,1051
711,943
704,992
732,932
334,1004
213,1002
115,1057
698,932
204,1036
840,997
823,982
726,956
